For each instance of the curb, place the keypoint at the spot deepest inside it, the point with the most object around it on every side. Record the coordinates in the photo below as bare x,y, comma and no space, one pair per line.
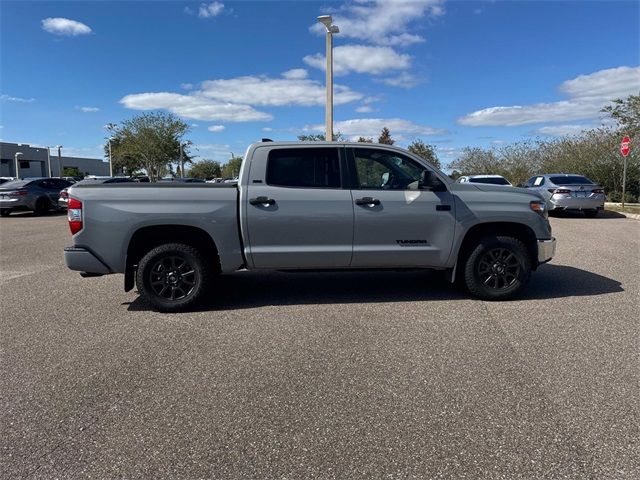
634,216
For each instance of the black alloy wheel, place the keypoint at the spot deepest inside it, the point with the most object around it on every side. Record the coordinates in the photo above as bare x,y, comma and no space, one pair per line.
173,277
497,268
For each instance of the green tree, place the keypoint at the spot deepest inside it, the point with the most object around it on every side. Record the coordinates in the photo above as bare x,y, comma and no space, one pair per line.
150,141
319,137
206,169
476,161
425,151
365,140
626,113
385,137
71,172
231,169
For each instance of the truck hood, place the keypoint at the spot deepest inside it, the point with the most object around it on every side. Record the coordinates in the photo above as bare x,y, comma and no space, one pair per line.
486,187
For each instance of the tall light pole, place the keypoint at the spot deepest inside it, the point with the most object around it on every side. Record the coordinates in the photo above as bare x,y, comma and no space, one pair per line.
327,21
49,161
110,158
15,159
59,147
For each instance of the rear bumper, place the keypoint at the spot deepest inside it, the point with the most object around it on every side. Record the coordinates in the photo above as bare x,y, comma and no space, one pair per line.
546,250
587,203
83,260
62,203
13,204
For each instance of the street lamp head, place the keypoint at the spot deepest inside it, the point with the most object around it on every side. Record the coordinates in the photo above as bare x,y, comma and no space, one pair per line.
327,21
18,153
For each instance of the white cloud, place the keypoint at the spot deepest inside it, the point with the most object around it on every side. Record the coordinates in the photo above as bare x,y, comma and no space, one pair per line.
9,98
216,128
213,151
384,22
267,129
365,109
65,26
361,59
274,92
186,86
296,74
188,11
194,107
212,9
232,100
88,109
403,79
587,95
371,127
561,130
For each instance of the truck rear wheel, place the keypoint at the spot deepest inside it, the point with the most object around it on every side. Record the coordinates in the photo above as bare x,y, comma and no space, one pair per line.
498,268
173,277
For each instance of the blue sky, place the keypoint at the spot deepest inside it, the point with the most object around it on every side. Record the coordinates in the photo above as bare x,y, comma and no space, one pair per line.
451,73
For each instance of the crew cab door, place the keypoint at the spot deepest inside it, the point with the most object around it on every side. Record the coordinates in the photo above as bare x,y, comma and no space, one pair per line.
299,212
397,221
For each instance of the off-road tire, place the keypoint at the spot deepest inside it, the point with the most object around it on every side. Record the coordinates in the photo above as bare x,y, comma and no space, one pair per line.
161,268
5,213
42,206
498,268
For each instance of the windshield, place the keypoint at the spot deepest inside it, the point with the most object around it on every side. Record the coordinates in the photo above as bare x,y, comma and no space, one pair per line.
16,184
491,180
571,180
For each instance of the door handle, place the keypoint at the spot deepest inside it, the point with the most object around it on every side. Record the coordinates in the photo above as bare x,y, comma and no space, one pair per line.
264,201
367,201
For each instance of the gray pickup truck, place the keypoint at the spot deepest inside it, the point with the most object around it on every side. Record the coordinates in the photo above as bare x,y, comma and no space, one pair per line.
309,206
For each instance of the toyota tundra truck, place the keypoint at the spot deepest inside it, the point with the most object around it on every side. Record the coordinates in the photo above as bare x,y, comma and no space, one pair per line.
309,206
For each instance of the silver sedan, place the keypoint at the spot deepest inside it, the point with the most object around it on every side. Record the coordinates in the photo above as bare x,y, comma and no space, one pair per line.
564,191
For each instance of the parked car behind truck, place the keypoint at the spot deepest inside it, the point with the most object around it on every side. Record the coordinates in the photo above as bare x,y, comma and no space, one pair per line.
39,195
307,206
565,191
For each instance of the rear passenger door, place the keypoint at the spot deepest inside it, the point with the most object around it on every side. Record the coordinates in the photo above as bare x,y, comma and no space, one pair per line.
299,212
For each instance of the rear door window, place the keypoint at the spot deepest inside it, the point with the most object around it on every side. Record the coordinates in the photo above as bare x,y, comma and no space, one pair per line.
304,168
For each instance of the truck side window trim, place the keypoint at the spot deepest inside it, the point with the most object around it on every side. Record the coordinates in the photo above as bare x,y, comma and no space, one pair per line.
335,178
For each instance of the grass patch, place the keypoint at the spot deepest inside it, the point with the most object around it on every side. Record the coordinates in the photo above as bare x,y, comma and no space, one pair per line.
626,209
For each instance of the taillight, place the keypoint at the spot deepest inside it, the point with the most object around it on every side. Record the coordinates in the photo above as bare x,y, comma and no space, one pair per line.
74,214
18,193
596,191
559,191
64,194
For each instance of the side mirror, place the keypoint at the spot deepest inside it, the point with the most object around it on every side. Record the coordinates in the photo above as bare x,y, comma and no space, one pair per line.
430,181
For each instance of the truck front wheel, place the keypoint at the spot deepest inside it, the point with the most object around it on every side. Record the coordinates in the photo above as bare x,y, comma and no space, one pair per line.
173,277
498,268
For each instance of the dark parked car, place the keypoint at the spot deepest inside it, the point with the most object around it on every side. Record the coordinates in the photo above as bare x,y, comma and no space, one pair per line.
63,199
37,194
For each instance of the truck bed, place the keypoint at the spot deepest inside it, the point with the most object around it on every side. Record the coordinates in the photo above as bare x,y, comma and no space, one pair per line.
112,213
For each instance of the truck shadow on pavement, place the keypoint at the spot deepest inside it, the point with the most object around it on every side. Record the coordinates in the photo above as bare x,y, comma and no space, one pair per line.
258,289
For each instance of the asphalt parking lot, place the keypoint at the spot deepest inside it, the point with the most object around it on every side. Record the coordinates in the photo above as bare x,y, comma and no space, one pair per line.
355,375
